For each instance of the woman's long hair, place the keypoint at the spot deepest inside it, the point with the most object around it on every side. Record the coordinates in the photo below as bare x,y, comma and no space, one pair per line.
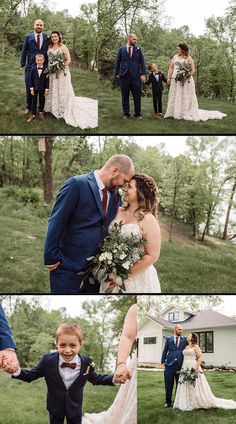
59,36
147,195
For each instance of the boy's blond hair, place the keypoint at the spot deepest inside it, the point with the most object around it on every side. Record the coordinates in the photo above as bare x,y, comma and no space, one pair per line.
69,328
39,55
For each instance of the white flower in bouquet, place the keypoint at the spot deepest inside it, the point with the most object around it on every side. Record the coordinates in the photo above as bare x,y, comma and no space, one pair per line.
126,265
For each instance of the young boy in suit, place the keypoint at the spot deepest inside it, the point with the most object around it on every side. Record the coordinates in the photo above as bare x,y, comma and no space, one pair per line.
66,372
156,78
39,87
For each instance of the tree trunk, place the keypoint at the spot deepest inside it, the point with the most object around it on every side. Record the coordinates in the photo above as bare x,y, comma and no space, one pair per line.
229,210
47,172
206,229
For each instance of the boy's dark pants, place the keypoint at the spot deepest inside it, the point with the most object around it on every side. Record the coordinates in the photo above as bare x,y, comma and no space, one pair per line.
56,420
41,96
157,101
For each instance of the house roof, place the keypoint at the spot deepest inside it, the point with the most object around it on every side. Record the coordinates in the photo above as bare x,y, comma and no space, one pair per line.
179,309
203,319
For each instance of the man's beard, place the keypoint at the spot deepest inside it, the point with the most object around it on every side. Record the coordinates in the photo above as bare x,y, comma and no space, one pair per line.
112,186
38,30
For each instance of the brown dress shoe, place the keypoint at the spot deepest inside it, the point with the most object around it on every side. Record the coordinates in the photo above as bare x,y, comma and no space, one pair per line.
42,115
31,118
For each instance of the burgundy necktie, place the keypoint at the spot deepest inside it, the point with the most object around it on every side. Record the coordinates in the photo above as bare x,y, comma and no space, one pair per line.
71,365
129,51
38,41
104,200
176,342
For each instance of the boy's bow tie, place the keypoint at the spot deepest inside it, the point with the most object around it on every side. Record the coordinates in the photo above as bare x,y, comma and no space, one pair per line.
40,68
71,365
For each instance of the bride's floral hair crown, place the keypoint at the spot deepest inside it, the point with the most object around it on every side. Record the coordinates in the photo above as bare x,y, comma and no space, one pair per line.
147,194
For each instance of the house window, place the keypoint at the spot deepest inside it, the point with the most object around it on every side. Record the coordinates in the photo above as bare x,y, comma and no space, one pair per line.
206,341
173,316
150,340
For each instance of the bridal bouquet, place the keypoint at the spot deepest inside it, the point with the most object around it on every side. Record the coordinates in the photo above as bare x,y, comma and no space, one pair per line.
56,63
188,375
117,255
183,72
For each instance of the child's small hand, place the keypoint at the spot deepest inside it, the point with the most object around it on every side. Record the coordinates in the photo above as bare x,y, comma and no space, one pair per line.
46,92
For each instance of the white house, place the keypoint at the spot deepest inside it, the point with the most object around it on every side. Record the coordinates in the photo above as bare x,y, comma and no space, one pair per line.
216,333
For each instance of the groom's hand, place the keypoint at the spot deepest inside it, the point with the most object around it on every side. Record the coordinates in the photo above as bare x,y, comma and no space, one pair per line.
9,361
53,267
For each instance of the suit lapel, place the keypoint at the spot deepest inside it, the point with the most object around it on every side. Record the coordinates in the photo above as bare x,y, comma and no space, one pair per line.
55,368
93,184
83,369
111,203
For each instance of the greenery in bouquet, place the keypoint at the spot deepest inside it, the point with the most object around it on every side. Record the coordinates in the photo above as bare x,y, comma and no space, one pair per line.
116,256
183,72
56,63
188,375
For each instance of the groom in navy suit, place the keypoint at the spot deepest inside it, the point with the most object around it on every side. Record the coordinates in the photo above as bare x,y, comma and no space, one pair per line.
8,358
85,206
130,71
172,358
34,43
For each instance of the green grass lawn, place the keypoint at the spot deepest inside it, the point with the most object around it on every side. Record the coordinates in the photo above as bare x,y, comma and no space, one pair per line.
12,103
182,268
111,120
23,403
151,398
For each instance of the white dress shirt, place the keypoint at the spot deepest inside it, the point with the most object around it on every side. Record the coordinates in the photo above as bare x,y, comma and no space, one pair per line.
101,186
67,374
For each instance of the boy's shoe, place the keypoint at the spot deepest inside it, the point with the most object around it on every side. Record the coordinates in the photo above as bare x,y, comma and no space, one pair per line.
31,118
42,115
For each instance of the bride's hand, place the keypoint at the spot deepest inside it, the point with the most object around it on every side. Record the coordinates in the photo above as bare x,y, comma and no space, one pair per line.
122,373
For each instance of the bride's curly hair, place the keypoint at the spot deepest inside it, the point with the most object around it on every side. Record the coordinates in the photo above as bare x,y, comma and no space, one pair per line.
147,195
59,36
194,338
185,48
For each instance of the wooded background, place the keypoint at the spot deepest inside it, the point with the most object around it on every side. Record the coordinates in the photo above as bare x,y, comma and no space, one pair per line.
78,33
213,52
196,188
34,327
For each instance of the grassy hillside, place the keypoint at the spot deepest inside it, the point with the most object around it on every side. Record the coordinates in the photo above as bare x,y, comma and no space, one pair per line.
185,265
111,120
12,103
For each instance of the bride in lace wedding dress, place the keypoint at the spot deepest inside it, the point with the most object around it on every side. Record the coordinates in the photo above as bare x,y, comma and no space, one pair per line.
188,396
124,408
182,99
138,216
61,101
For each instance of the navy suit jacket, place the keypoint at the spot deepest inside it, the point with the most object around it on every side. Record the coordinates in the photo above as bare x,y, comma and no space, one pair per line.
6,336
171,355
156,85
61,401
30,49
135,64
77,225
39,83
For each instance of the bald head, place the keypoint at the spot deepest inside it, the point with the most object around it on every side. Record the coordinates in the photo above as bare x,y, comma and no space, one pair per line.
38,26
178,330
122,162
132,39
118,170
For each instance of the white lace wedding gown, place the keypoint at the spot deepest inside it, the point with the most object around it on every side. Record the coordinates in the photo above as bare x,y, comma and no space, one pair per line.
189,397
62,103
182,100
146,281
124,408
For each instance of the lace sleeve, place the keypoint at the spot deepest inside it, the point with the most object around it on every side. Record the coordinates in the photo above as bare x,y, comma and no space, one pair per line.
67,58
